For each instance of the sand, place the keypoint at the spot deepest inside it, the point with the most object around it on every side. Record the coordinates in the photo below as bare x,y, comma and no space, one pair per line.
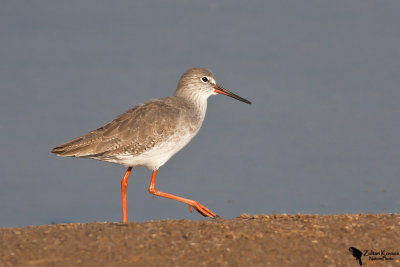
258,240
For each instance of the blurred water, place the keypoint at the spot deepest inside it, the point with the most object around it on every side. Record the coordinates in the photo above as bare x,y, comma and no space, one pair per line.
320,137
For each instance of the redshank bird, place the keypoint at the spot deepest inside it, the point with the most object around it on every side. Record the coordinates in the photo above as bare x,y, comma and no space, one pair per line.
150,134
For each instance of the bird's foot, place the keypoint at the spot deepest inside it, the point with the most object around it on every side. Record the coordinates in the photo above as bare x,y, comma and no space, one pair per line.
203,210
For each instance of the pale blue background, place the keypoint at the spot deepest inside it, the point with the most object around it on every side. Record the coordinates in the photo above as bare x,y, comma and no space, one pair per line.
322,135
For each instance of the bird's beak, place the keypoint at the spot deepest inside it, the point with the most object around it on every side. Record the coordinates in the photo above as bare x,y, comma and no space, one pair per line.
220,90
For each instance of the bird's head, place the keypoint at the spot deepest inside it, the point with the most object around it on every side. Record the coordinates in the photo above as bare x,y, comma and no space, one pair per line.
200,83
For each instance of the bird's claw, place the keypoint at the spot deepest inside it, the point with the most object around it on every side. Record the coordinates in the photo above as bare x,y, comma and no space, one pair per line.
203,210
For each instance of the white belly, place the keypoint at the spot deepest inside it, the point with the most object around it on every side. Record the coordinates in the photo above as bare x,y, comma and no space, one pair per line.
155,157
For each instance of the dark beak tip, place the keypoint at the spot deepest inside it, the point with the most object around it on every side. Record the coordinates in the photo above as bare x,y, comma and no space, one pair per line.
243,100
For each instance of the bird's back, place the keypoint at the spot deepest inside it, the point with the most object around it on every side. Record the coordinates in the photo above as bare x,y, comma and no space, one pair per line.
136,131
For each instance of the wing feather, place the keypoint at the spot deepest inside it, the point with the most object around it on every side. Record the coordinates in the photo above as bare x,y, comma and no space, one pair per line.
133,132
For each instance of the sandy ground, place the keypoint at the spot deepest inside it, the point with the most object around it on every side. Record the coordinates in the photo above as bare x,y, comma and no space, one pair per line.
259,240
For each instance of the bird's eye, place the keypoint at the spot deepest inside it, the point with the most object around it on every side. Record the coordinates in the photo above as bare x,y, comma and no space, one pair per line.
204,79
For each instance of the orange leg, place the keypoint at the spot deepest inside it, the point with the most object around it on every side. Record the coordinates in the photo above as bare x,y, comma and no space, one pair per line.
124,186
200,208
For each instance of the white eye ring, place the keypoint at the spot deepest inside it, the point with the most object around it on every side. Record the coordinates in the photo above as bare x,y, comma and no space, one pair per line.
204,79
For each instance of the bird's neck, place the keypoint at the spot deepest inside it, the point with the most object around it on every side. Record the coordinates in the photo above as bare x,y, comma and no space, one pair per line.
198,101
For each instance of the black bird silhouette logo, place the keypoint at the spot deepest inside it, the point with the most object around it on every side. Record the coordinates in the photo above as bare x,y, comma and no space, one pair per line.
356,253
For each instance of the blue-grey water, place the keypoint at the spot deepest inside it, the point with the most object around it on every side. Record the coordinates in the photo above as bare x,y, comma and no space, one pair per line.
322,135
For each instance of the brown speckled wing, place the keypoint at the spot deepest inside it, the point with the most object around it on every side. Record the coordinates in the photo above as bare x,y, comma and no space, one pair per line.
133,132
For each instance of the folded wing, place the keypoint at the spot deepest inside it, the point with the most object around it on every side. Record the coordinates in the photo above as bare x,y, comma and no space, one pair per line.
133,132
